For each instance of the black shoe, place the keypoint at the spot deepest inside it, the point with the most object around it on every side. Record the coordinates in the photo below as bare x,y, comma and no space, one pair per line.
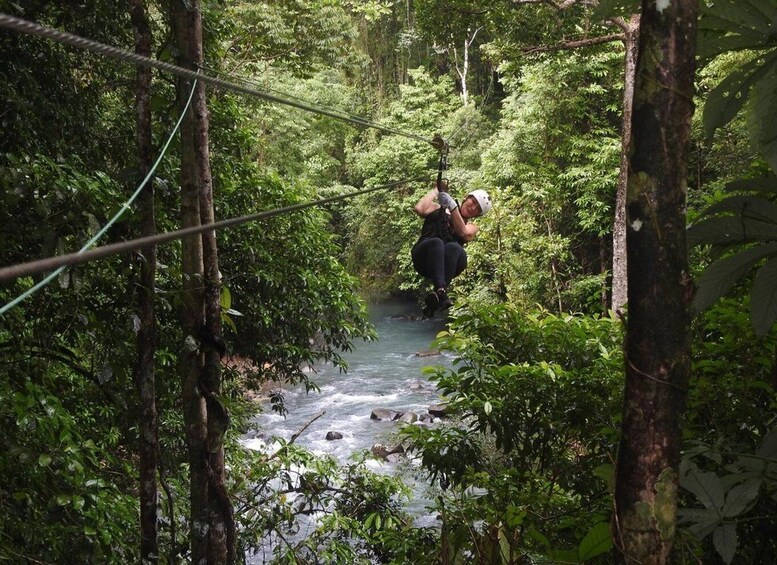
444,302
431,301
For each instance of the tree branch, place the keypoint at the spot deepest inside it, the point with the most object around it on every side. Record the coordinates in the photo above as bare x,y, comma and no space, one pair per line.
574,44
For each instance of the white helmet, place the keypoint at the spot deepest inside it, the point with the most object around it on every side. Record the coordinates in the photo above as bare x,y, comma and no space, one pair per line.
483,200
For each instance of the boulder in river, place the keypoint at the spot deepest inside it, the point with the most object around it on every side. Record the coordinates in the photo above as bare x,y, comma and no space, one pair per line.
382,451
385,414
330,436
428,353
439,410
408,417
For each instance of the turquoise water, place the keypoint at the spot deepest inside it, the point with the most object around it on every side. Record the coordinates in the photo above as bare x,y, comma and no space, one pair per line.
386,373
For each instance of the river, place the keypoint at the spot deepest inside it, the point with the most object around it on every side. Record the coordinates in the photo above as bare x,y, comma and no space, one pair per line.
382,374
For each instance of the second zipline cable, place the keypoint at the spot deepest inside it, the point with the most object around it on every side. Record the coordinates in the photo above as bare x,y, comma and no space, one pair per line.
43,265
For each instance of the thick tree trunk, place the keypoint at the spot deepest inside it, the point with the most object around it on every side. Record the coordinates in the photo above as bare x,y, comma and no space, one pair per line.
657,335
144,365
619,258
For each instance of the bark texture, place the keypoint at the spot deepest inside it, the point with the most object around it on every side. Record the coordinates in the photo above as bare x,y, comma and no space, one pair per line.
657,337
619,257
192,306
144,371
205,418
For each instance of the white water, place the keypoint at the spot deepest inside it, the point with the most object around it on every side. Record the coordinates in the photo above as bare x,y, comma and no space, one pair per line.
380,375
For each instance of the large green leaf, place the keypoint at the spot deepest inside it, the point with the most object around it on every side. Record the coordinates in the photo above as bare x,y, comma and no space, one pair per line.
740,497
724,230
726,99
732,16
595,542
768,448
725,540
763,298
751,207
762,115
719,277
761,184
740,42
706,486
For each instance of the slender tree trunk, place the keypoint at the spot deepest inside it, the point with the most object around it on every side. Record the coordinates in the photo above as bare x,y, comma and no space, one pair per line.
657,335
221,535
144,365
192,312
619,258
206,420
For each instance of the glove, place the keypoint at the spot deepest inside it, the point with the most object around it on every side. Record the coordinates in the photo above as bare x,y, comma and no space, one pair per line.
446,201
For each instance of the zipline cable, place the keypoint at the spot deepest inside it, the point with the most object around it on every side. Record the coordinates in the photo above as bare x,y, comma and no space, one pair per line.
24,26
287,95
43,265
113,220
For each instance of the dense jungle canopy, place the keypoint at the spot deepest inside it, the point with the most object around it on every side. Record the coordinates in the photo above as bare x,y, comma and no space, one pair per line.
613,397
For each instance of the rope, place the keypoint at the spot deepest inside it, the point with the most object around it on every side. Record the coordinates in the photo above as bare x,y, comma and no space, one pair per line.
113,220
42,265
24,26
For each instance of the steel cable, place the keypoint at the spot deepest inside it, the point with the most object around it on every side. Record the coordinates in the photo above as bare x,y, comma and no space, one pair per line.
42,265
24,26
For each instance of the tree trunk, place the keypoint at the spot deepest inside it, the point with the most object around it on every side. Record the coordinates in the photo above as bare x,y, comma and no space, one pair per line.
206,420
144,365
221,535
619,259
657,335
192,312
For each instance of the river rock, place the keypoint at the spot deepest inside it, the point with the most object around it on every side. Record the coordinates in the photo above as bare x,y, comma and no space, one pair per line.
385,414
439,410
428,353
393,457
408,417
382,451
426,419
330,436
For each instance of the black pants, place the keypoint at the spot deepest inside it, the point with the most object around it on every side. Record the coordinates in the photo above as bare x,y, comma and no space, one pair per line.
439,261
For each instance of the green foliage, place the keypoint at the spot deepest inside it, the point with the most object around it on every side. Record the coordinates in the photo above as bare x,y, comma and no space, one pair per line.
298,37
347,513
733,26
742,227
728,438
380,227
554,165
748,487
536,400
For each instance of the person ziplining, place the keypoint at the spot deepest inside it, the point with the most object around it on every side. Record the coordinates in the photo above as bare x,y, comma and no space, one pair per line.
439,253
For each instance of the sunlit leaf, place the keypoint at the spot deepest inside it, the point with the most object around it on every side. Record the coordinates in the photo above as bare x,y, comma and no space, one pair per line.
226,298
